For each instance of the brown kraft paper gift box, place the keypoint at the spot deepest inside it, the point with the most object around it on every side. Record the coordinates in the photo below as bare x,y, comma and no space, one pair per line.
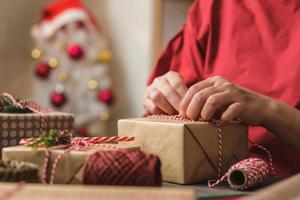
14,127
188,150
69,168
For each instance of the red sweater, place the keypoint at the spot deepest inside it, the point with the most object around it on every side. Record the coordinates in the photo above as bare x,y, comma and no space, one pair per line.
253,43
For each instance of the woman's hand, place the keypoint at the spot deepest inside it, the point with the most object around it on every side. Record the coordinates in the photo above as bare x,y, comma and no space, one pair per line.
165,94
217,96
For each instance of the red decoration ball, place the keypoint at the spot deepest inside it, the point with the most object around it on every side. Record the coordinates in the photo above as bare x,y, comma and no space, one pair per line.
75,51
42,70
106,96
83,131
58,99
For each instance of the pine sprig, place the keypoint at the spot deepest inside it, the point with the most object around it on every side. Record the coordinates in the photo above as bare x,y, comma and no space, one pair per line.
50,139
7,107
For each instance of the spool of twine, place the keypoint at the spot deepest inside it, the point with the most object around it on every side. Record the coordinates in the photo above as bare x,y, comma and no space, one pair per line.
248,173
123,167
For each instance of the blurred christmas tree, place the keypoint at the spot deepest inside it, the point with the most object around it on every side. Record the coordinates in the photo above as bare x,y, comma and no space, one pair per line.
71,64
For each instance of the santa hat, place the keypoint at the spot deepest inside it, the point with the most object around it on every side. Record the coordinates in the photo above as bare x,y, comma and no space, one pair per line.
60,12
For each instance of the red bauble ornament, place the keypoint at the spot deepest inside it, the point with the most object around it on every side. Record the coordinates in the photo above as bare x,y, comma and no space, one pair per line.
42,70
58,99
106,96
75,51
83,131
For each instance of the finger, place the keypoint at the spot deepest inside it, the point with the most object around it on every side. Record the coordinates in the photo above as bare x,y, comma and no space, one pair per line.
190,93
215,102
160,101
168,92
198,101
232,112
150,107
177,83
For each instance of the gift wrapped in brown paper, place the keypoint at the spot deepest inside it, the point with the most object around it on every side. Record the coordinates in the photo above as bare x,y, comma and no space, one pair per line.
69,169
14,127
189,151
25,118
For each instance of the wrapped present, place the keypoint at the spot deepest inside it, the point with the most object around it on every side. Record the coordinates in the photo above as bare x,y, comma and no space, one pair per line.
190,152
25,118
76,192
68,169
15,170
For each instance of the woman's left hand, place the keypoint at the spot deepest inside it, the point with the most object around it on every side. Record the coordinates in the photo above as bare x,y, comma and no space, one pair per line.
216,95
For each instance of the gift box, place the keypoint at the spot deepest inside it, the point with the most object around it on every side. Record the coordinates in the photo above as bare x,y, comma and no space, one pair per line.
69,169
74,192
15,126
189,151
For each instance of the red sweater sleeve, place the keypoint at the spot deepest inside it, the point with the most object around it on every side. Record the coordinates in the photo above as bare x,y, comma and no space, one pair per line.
184,54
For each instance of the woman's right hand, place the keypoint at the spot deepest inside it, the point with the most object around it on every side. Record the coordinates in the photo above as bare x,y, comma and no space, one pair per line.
164,95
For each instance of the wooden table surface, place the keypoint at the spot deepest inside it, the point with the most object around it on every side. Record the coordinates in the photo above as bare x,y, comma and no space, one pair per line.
168,191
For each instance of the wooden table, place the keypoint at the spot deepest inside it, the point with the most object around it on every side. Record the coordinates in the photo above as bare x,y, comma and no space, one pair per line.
168,191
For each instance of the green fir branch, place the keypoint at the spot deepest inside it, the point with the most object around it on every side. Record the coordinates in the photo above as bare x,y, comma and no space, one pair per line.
7,107
45,139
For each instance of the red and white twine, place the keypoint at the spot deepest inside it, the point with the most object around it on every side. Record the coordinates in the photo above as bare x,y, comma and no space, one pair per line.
99,140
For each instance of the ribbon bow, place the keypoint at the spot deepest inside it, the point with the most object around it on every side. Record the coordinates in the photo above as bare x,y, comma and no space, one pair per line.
25,106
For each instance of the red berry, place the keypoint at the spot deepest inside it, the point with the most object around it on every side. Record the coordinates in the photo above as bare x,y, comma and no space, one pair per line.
58,99
42,70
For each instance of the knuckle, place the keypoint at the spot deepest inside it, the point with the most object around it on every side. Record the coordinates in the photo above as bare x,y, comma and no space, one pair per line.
154,95
228,86
200,96
157,80
213,101
172,73
194,89
177,84
165,88
164,85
